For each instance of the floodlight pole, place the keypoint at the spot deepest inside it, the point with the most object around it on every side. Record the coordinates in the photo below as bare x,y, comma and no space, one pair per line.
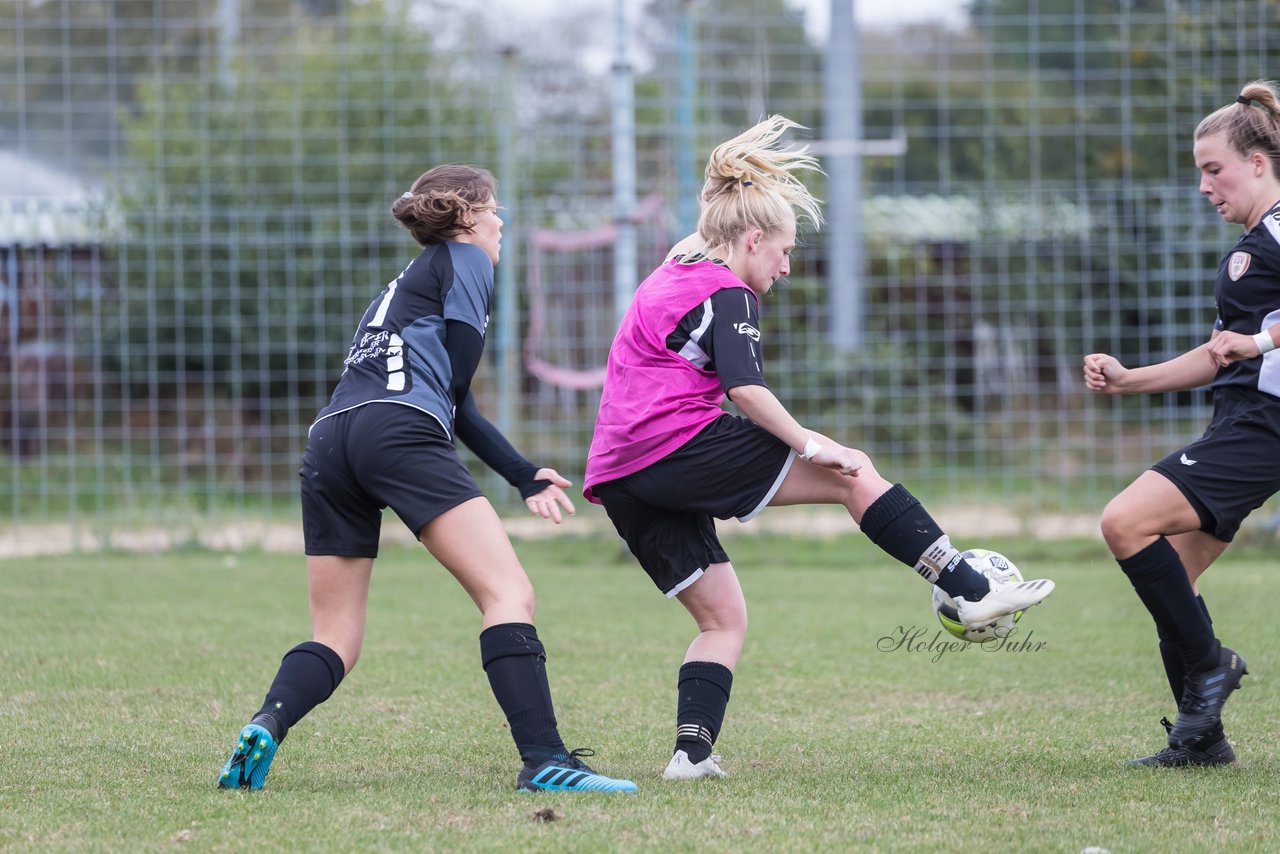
843,129
228,39
686,165
507,296
624,167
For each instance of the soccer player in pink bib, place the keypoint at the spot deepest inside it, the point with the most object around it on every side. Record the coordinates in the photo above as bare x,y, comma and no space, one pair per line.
666,460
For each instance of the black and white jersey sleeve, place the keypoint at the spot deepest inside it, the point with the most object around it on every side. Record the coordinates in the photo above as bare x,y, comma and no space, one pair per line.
723,335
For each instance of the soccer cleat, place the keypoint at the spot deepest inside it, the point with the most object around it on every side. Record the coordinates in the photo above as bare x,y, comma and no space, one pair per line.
1005,597
568,774
1213,749
250,761
1203,695
680,768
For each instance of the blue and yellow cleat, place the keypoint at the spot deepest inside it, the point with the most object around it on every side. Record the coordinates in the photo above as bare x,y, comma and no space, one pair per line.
250,761
568,774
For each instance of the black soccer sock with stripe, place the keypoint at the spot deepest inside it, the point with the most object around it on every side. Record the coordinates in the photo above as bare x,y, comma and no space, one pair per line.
1172,661
898,524
1160,580
1173,667
516,664
1176,672
702,690
308,675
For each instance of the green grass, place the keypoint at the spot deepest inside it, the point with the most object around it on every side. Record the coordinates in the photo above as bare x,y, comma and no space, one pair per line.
123,680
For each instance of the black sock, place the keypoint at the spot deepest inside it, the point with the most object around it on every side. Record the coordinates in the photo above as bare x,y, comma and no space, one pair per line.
1161,582
703,695
1216,734
516,664
308,675
1174,670
898,524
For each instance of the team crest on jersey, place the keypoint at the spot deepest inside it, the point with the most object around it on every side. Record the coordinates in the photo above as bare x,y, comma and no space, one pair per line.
1237,265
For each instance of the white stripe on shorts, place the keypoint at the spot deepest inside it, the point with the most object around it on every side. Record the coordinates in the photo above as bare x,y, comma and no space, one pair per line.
777,483
683,584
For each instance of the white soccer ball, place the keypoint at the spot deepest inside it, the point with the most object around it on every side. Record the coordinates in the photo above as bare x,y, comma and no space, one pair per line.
994,566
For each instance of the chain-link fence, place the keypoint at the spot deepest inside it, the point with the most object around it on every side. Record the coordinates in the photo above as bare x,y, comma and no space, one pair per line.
193,214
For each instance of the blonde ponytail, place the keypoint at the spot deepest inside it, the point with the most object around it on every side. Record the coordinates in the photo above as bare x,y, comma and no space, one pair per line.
1251,122
750,183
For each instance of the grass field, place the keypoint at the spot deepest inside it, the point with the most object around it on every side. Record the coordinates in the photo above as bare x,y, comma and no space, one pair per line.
123,680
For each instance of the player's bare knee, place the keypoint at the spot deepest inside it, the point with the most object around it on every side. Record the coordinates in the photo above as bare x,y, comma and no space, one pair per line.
1120,527
870,473
862,492
736,618
528,601
726,634
512,602
1111,527
523,600
729,619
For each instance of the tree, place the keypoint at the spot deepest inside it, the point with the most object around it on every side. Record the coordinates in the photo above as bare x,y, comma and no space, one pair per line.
260,227
68,69
1107,89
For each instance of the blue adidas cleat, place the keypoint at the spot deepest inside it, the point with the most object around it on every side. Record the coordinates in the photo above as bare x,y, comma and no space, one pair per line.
568,774
250,761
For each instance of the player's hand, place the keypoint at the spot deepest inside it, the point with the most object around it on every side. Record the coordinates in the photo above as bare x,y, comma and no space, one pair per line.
1228,347
552,499
1104,373
833,455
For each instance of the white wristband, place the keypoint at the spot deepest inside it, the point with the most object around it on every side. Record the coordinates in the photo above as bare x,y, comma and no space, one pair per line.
811,449
1264,341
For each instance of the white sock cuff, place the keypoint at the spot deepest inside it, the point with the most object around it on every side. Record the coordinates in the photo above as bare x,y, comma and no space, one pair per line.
938,558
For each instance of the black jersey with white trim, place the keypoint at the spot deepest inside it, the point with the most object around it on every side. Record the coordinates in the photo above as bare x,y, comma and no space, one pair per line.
1247,293
723,335
398,352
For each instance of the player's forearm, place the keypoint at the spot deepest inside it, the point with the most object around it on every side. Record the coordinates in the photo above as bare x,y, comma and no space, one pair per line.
1192,369
494,450
761,406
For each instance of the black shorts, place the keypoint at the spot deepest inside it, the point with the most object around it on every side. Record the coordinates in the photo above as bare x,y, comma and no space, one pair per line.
1234,467
666,512
374,456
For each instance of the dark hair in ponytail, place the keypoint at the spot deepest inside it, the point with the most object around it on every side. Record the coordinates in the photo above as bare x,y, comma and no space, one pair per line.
440,202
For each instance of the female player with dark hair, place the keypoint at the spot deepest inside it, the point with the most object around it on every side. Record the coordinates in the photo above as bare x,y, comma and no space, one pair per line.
386,439
666,460
1170,524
